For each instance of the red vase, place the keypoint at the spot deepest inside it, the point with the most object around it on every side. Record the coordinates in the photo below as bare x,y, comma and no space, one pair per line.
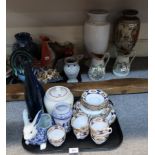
46,52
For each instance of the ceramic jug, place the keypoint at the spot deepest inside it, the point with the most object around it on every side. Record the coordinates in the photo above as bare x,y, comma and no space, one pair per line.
35,132
97,69
123,63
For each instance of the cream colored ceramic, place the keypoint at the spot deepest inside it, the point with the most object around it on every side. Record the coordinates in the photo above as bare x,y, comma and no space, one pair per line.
80,124
78,107
111,117
96,31
94,99
56,135
55,95
99,130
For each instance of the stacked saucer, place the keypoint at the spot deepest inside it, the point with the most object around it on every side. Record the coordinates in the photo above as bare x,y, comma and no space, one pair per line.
94,99
95,102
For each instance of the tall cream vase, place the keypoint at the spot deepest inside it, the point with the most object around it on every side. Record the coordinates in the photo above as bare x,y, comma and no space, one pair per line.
96,38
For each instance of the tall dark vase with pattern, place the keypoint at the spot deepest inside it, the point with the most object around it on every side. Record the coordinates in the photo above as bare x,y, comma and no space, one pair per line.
126,35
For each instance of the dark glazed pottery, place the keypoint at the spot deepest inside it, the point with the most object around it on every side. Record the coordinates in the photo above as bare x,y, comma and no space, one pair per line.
34,92
127,31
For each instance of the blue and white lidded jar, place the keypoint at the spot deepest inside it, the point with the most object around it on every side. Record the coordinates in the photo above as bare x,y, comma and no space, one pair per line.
62,114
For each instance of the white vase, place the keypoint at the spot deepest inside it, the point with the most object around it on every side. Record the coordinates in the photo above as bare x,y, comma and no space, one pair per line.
96,31
96,38
71,69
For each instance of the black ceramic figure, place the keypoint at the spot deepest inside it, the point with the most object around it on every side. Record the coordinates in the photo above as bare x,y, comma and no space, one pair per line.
34,92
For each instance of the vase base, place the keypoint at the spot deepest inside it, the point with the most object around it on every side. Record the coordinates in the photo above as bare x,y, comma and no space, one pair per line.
93,79
72,81
120,74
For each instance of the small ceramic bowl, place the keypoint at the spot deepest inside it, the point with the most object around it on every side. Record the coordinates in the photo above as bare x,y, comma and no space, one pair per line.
80,124
99,130
94,99
56,135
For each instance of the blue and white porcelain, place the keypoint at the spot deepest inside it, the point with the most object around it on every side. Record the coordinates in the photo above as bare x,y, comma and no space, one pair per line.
71,69
62,114
35,133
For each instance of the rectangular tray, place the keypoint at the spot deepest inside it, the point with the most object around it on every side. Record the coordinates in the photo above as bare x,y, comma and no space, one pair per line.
86,144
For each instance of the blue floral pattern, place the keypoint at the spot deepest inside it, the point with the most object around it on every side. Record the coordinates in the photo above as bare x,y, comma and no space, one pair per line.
41,137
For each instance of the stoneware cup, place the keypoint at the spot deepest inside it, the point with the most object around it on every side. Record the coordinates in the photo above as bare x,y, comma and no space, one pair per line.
110,114
99,129
56,135
80,124
111,117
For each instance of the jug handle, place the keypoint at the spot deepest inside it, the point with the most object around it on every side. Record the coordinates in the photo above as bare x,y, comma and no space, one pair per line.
79,57
106,55
133,55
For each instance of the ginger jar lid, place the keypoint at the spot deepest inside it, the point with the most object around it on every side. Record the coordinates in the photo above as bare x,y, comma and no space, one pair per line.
57,93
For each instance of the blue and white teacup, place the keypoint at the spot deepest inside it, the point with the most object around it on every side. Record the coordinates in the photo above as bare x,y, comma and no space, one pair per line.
62,114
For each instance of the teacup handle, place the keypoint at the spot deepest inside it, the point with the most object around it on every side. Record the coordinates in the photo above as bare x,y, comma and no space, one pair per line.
133,55
113,116
109,131
106,55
